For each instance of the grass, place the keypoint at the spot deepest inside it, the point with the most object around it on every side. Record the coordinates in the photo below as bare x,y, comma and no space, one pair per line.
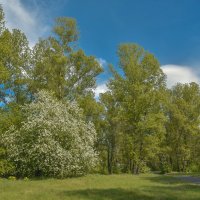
101,187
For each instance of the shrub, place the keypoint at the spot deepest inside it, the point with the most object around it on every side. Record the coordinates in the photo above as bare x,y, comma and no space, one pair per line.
194,168
54,140
12,178
6,167
26,179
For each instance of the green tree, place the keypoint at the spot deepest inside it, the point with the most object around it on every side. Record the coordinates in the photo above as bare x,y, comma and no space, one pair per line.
183,129
110,136
14,63
57,67
139,93
69,73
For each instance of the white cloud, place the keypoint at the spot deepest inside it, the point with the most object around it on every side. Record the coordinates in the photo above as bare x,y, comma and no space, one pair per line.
102,62
102,88
29,21
181,74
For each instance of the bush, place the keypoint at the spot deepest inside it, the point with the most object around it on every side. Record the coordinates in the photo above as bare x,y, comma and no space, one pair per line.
194,168
12,178
144,168
54,140
6,167
165,167
26,179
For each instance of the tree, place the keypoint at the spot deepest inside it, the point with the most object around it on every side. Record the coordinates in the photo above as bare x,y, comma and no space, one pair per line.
110,136
49,69
14,64
67,33
57,67
138,93
14,61
54,140
183,133
69,73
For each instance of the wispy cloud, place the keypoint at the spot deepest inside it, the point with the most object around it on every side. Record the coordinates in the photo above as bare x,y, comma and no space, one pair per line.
101,88
102,62
20,17
180,74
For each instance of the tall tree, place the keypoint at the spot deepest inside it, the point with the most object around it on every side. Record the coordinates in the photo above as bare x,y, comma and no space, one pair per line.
109,139
57,67
183,132
14,63
138,92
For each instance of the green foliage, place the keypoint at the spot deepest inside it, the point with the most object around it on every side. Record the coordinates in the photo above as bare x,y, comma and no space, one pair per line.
183,126
12,178
82,71
6,167
70,74
14,64
26,179
136,106
8,117
66,30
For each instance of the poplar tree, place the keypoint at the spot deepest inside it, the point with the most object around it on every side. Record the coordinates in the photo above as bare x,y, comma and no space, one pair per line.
138,92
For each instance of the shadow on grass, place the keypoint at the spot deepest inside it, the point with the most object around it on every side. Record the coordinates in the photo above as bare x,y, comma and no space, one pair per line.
106,194
175,192
170,189
147,193
163,179
173,188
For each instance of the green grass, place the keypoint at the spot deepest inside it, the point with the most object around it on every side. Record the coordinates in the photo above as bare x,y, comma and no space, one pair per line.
101,187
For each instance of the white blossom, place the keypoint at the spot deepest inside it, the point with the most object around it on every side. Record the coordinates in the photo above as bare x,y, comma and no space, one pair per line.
54,139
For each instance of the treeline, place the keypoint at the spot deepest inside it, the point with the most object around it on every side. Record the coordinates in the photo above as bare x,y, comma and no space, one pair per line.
52,125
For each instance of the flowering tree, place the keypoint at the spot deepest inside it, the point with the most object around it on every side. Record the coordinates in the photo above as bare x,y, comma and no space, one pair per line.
54,140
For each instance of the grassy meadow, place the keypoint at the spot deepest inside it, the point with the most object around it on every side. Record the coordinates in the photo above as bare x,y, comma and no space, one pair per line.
101,187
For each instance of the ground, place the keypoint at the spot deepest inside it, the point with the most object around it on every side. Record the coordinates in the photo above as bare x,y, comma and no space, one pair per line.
101,187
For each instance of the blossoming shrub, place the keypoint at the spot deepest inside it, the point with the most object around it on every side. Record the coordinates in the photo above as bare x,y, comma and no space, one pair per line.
54,140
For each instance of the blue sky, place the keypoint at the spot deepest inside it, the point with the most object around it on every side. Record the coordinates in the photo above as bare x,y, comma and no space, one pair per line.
170,29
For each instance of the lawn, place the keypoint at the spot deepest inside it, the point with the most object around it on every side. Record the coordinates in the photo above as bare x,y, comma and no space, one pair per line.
104,187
